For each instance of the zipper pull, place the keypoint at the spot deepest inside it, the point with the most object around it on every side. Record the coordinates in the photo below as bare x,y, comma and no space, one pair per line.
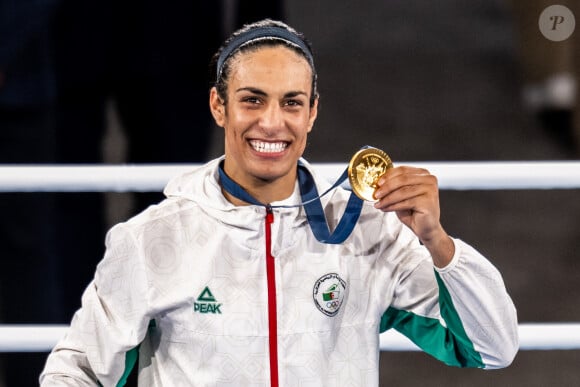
269,214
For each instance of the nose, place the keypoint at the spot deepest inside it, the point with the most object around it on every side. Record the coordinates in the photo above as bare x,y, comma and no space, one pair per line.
272,117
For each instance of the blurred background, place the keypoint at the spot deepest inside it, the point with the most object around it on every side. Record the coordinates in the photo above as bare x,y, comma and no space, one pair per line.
101,82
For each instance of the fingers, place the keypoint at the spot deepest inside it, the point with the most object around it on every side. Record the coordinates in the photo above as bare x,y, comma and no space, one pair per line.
405,198
413,194
402,172
402,186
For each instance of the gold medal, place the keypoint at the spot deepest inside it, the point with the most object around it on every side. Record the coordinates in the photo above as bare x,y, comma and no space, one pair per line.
364,170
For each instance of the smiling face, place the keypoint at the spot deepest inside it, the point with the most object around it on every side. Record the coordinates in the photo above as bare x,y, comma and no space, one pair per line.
267,119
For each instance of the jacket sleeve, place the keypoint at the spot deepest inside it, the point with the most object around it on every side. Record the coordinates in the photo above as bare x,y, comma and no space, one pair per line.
460,314
101,345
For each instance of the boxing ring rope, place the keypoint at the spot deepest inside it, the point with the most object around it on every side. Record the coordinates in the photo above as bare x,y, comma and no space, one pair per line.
142,178
533,336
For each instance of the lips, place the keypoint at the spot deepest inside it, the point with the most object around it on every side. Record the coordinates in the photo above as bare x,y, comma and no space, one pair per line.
268,147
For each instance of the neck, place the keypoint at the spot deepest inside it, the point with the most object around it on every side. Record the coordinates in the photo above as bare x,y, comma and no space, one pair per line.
283,192
263,191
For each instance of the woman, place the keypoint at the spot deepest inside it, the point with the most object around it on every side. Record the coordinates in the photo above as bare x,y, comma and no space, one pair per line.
233,279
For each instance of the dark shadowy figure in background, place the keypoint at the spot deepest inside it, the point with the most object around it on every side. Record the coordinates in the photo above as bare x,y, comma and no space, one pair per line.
28,269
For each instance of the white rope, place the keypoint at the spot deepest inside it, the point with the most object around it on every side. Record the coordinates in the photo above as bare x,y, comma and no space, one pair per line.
533,336
141,178
553,336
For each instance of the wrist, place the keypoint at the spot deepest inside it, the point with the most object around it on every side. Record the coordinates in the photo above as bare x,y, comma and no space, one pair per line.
441,247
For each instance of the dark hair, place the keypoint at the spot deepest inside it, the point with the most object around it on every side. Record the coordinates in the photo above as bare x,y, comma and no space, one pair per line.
266,32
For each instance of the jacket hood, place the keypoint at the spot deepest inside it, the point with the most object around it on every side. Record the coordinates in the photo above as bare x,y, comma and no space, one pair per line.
201,186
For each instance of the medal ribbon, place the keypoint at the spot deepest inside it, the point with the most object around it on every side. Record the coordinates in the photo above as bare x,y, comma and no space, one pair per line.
311,202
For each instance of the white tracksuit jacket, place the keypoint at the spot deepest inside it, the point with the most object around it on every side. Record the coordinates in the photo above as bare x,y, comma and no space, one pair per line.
211,294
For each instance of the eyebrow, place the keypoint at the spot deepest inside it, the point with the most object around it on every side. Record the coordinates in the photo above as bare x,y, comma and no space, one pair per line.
254,90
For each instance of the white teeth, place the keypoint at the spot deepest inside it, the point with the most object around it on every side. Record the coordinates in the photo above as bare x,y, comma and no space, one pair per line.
268,147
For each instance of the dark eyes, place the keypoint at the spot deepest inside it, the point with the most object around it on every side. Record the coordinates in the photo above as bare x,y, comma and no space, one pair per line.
293,102
254,100
251,99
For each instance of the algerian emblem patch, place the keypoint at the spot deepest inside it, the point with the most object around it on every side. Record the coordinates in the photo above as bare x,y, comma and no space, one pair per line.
329,293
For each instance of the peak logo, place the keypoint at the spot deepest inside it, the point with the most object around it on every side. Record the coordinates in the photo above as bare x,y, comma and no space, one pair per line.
206,303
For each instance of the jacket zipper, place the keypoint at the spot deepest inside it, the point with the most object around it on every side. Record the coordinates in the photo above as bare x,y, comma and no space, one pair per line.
272,319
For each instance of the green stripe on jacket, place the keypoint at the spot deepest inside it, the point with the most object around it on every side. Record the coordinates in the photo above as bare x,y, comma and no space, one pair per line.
448,344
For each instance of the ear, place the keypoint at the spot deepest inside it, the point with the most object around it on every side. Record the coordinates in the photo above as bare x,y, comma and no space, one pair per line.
217,107
313,114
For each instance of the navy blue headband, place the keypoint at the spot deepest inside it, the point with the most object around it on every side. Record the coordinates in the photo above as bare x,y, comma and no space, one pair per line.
271,32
